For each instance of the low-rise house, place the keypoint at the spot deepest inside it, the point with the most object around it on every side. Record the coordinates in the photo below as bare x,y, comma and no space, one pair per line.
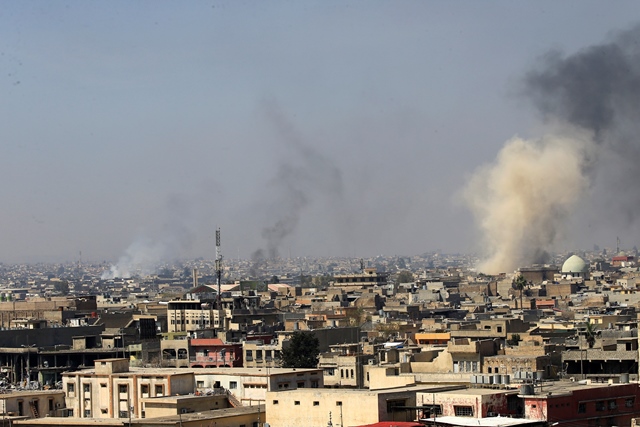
310,407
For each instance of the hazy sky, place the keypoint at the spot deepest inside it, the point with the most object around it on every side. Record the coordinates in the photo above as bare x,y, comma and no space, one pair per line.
303,128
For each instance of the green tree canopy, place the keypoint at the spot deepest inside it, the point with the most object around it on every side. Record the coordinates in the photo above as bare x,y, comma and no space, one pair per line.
519,283
62,287
302,351
404,276
590,333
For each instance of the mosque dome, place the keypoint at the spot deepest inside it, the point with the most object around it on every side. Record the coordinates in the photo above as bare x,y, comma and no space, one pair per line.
574,264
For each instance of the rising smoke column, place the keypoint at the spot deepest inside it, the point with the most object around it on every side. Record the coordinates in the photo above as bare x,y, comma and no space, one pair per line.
302,177
172,238
524,197
591,100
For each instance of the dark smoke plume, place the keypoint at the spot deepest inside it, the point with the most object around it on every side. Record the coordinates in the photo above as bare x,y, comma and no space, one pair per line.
598,89
301,178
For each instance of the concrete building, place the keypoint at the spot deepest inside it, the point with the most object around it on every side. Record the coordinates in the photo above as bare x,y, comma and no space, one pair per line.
113,390
312,407
369,277
229,417
472,403
193,315
345,366
567,404
249,385
213,352
33,403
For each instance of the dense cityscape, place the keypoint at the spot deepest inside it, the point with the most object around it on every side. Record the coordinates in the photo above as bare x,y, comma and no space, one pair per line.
319,214
426,339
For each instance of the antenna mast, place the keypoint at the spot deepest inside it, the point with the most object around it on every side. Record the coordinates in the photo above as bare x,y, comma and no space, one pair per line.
218,266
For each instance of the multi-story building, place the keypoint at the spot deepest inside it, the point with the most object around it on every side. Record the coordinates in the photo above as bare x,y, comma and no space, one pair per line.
113,390
215,353
368,278
193,315
250,385
345,366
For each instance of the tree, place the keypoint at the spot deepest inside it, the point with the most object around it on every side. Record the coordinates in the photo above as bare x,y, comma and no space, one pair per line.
302,351
590,334
519,283
321,281
515,339
404,277
356,316
62,287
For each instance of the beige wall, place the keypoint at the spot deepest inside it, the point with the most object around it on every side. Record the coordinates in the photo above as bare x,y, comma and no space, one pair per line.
297,408
107,395
33,404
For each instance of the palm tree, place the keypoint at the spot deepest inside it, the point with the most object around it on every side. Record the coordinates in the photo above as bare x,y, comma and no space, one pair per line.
590,334
519,283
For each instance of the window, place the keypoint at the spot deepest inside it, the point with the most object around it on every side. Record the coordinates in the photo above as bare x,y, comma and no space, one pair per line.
86,388
628,402
122,388
87,413
301,385
71,388
200,384
103,385
512,403
275,402
20,407
296,402
233,385
463,411
159,390
338,403
613,404
144,390
434,410
316,403
499,329
600,406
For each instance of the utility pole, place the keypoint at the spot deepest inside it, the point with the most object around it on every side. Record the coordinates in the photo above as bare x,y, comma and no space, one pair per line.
218,268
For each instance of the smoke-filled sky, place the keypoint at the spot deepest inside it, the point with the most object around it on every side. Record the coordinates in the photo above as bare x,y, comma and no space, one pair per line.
135,129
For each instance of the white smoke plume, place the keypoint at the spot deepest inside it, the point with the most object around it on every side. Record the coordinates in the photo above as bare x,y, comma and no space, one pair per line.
139,259
523,199
171,239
